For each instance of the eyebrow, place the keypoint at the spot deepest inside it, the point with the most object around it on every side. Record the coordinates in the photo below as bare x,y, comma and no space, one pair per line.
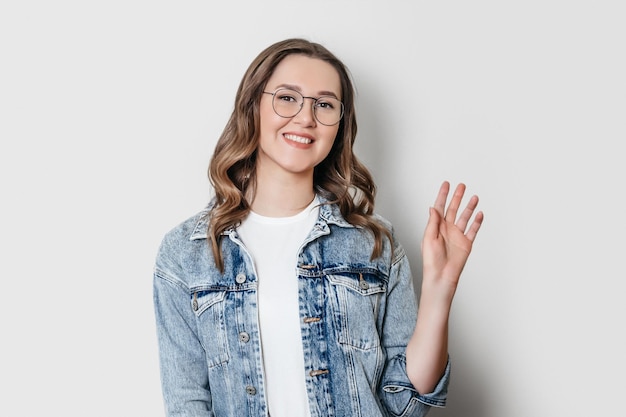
299,90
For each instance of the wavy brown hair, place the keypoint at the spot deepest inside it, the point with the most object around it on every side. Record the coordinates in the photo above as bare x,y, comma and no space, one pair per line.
340,177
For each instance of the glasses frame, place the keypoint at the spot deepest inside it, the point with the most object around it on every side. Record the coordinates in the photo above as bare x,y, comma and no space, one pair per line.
315,100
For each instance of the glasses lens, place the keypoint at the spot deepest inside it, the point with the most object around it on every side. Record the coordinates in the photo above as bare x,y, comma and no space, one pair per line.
328,110
287,103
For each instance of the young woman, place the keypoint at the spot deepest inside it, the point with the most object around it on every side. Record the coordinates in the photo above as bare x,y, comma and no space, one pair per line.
287,295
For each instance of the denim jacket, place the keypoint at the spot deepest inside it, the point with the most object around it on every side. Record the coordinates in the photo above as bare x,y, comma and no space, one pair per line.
357,316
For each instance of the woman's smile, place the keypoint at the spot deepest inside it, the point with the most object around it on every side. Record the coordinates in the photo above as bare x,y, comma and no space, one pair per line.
298,139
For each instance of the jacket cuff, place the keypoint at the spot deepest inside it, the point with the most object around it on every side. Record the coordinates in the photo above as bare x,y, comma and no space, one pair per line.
397,387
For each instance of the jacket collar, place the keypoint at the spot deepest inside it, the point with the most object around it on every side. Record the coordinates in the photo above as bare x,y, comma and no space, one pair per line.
329,214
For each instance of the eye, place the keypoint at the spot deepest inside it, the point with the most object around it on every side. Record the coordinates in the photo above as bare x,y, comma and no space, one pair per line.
326,103
287,96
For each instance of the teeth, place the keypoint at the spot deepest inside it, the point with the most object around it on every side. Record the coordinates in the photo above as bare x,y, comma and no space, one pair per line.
298,139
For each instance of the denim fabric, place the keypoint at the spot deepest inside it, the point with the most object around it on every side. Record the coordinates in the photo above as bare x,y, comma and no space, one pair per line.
357,316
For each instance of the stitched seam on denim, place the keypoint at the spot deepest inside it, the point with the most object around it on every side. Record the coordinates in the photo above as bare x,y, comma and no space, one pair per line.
161,274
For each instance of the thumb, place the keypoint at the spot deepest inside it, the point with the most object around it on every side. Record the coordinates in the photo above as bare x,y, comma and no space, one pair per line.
432,227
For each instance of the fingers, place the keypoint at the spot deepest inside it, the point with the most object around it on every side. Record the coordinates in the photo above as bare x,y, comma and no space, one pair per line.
440,202
475,227
467,213
432,227
449,214
455,202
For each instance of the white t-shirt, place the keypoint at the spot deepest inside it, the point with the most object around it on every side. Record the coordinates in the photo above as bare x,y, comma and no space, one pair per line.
273,243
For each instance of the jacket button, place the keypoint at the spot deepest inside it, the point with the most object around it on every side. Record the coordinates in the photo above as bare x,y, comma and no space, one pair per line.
364,285
251,390
240,278
244,337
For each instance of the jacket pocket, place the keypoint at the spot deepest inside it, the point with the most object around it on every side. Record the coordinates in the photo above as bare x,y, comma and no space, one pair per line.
355,302
209,307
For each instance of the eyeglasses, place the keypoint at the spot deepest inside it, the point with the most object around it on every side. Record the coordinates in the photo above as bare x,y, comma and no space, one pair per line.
328,110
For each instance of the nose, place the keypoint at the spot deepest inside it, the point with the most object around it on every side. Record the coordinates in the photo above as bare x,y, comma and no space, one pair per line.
306,115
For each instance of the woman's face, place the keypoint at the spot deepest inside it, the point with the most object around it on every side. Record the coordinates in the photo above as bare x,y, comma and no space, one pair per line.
295,145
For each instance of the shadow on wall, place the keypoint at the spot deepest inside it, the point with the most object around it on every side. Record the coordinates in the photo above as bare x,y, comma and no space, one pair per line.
467,396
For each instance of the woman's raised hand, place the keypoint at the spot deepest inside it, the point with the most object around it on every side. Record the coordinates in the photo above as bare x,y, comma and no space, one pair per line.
448,240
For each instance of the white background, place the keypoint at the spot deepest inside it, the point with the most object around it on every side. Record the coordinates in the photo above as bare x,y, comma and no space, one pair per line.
109,112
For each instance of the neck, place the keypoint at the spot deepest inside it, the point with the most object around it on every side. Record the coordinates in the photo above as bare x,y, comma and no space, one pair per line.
282,197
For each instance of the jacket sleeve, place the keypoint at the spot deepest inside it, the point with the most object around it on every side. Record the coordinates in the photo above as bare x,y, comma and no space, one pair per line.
396,391
184,375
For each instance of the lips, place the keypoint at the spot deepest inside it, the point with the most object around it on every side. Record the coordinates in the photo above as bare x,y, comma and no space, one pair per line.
297,139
